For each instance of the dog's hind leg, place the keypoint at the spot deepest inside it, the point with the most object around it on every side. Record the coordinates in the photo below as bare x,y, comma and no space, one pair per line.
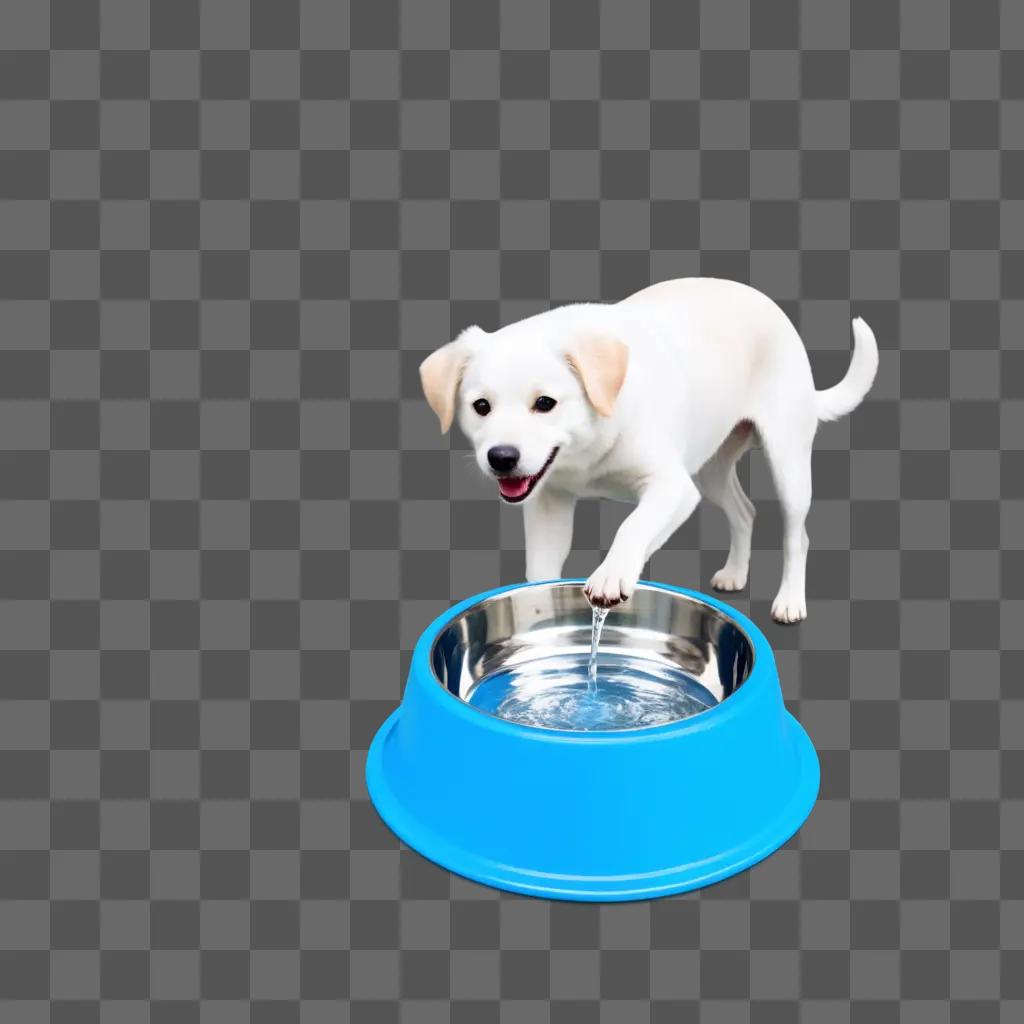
719,483
790,461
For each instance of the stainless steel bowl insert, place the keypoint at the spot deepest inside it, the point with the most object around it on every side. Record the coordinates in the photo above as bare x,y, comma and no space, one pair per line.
656,627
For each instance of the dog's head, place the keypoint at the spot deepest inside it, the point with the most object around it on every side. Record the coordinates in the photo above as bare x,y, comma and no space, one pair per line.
524,398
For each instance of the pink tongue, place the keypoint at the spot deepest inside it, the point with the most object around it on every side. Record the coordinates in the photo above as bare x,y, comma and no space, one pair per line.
514,486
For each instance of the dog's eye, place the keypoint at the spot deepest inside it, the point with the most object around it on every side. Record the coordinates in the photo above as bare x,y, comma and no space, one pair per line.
482,406
544,404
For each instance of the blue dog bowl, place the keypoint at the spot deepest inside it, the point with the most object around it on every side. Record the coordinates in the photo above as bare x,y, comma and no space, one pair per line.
598,815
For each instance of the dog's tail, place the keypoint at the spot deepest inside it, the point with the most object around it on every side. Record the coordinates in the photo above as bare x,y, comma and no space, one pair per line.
845,396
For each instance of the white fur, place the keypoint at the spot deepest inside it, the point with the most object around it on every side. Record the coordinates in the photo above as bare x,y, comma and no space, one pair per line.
707,358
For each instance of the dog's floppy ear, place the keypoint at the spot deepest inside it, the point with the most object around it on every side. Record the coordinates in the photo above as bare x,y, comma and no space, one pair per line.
600,361
440,374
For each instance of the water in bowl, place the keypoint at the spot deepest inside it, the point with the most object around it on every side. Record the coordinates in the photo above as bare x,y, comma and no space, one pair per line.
557,693
582,693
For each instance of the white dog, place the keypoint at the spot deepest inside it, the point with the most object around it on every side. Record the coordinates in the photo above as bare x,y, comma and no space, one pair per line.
652,400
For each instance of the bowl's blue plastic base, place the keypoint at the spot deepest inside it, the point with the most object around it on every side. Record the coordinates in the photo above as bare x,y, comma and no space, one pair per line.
650,885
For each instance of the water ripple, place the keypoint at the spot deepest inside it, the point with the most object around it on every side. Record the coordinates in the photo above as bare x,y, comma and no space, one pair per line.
555,693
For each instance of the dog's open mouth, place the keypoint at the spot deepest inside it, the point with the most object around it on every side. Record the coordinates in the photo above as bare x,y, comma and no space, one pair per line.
518,488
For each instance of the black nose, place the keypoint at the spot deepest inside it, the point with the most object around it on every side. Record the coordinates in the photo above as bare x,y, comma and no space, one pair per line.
503,458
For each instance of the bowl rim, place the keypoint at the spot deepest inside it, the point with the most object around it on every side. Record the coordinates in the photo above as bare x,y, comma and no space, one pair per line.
761,654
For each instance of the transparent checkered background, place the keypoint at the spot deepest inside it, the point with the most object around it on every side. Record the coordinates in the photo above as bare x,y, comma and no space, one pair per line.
229,233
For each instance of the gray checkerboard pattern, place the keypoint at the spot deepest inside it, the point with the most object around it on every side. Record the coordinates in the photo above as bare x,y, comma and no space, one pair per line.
229,231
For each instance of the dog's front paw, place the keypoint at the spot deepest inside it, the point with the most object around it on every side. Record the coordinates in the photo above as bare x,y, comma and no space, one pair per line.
789,608
729,580
610,584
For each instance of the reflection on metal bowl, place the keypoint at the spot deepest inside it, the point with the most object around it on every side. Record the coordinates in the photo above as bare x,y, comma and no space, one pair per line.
522,655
